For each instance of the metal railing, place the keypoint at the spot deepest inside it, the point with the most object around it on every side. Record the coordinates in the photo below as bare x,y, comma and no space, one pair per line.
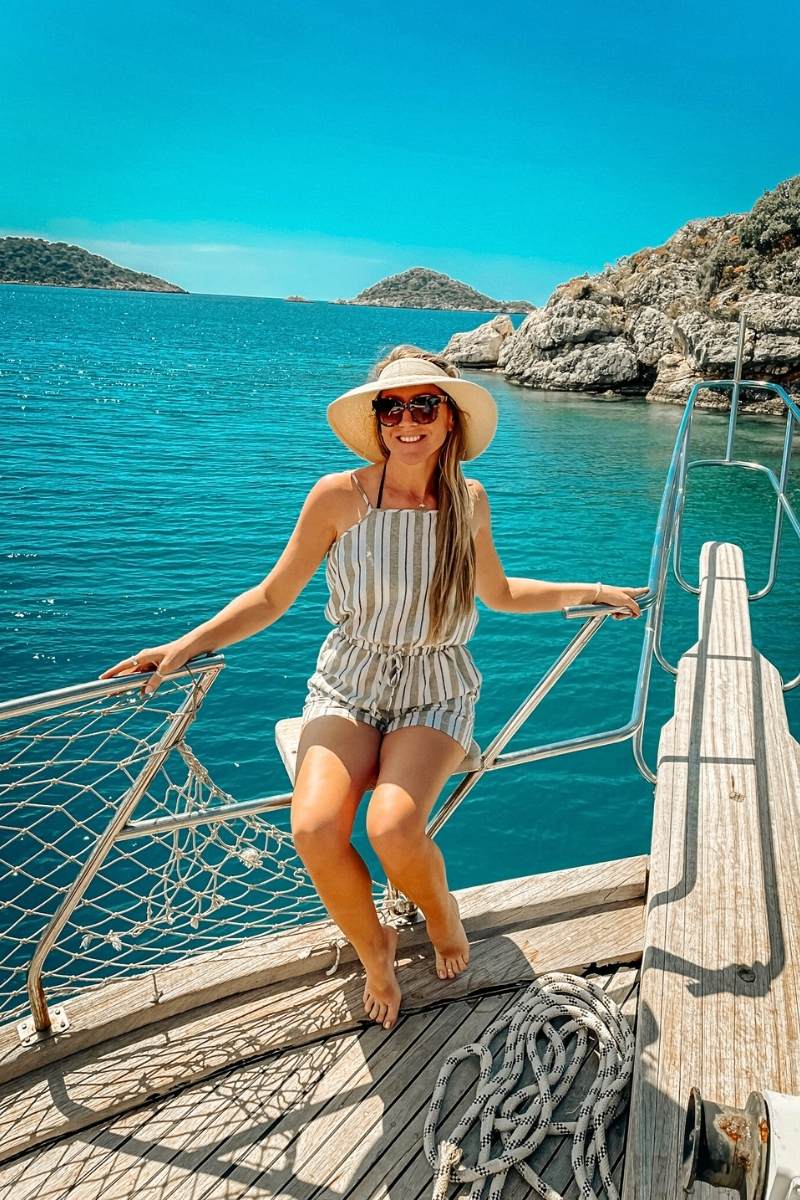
667,540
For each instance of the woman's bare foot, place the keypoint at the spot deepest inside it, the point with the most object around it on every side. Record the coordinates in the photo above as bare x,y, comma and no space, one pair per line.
449,941
382,991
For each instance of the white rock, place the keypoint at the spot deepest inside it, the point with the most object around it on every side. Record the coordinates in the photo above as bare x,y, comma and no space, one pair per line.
567,322
772,312
676,377
480,347
774,354
652,334
709,343
671,286
590,366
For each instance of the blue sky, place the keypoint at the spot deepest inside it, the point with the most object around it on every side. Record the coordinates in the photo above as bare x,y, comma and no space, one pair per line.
264,148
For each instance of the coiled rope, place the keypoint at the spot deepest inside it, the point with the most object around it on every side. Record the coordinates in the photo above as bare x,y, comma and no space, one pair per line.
567,1013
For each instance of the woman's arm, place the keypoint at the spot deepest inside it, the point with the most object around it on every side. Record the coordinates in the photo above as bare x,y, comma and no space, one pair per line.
497,591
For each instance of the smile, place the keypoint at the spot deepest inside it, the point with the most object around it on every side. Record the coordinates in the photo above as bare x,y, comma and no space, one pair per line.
417,437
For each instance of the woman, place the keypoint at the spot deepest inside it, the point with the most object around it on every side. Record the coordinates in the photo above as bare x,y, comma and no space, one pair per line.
409,545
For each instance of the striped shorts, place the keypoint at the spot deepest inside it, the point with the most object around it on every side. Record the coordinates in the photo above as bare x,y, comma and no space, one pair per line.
436,686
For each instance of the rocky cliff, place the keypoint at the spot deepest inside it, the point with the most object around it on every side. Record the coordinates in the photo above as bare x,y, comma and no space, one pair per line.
658,320
34,260
420,287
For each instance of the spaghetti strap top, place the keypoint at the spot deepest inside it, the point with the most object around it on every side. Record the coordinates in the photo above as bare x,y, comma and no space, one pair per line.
360,489
379,573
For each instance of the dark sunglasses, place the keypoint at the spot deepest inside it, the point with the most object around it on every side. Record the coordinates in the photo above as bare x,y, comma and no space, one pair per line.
421,408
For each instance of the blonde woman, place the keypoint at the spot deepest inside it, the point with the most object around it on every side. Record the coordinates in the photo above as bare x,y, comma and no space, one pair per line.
409,546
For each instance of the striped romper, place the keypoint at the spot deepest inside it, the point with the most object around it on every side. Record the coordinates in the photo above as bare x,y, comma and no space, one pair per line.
376,665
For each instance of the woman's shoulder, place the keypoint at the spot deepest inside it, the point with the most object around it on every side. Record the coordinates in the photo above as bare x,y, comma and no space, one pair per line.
334,500
334,484
475,489
479,503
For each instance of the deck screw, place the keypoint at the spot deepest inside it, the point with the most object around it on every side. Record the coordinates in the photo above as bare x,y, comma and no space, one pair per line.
746,973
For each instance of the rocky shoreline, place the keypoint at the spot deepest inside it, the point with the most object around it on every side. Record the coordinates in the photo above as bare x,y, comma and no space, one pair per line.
658,321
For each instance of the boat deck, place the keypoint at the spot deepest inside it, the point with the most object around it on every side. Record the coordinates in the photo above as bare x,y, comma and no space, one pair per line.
338,1117
287,1089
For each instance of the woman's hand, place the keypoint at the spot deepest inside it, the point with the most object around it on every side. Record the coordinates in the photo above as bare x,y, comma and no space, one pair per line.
621,596
163,659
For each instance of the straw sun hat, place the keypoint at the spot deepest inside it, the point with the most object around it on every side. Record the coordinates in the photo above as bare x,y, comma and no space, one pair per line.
353,421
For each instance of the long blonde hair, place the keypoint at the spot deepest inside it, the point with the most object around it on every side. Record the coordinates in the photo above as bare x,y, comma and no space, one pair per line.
452,593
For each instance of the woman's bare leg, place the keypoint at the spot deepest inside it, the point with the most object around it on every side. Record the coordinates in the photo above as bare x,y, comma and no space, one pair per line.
414,764
336,758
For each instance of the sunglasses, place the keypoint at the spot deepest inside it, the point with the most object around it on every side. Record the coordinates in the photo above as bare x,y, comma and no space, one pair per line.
421,408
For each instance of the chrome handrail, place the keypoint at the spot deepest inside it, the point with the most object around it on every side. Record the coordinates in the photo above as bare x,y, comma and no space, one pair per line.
98,689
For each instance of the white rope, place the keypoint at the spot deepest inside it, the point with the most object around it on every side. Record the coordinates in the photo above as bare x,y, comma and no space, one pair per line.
565,1013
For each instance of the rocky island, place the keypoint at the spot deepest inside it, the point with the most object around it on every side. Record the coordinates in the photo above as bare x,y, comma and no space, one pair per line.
57,264
661,319
420,287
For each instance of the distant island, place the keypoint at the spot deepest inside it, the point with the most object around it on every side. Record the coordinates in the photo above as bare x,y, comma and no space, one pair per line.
420,287
57,264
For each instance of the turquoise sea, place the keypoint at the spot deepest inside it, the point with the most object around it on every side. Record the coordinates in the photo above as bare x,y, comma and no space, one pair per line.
156,452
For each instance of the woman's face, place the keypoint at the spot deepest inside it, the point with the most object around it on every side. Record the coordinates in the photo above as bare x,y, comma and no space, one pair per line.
408,441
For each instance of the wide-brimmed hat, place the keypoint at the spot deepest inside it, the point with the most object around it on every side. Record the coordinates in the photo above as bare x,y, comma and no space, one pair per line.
352,419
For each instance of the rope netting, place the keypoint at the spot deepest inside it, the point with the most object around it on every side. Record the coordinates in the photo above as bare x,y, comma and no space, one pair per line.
155,899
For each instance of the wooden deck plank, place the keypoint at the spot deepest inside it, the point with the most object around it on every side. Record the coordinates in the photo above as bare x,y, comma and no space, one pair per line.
674,925
270,1105
675,904
224,1150
720,992
129,1071
198,1123
391,1132
782,759
119,1008
289,1157
327,1157
162,1129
